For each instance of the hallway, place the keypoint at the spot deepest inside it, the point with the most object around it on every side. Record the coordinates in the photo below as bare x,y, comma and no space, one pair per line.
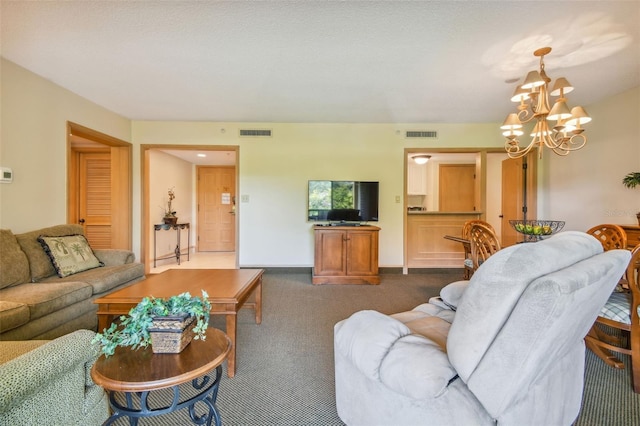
198,260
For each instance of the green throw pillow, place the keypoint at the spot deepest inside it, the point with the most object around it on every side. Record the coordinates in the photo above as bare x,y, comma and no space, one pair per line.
69,254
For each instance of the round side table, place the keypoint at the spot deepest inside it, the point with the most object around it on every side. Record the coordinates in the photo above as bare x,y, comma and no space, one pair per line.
137,373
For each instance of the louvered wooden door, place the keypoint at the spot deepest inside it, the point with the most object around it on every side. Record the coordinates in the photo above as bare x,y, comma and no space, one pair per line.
94,197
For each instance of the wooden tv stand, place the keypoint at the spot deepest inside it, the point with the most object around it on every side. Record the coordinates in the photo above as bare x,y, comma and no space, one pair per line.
346,255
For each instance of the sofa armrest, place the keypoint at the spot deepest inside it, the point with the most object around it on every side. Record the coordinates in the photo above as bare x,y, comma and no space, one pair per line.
112,257
27,374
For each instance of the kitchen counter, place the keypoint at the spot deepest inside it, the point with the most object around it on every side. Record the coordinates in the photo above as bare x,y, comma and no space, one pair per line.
423,212
427,246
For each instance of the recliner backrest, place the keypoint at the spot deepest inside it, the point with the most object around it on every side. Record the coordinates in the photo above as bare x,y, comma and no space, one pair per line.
528,307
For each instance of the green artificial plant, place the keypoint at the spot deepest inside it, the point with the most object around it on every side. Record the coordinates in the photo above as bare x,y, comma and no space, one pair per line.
631,180
133,330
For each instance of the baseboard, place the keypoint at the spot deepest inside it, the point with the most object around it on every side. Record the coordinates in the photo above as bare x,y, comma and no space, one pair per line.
388,270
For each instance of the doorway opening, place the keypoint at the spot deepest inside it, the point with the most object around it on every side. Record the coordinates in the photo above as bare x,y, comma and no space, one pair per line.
99,179
157,162
435,205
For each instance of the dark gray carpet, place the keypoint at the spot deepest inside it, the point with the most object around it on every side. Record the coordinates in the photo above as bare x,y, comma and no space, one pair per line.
285,369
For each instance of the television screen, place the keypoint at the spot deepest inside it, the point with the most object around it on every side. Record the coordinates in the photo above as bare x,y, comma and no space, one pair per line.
343,201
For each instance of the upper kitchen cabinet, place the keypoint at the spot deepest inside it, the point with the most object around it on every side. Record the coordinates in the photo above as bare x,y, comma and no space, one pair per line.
416,179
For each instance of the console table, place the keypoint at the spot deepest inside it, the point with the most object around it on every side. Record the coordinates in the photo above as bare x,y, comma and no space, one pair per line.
178,251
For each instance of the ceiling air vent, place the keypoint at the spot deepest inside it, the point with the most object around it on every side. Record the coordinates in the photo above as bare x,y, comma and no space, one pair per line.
428,134
255,132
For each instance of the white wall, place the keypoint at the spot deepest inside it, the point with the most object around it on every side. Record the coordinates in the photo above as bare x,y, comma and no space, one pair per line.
585,188
33,115
166,172
274,172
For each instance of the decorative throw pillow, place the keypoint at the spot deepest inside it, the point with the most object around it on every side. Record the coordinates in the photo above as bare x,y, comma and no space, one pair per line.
69,254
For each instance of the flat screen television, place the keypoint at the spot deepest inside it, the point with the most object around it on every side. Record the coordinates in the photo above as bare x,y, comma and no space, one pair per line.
343,201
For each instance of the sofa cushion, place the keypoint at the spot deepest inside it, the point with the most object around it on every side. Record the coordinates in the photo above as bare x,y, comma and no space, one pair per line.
69,254
45,298
14,266
105,278
12,315
39,263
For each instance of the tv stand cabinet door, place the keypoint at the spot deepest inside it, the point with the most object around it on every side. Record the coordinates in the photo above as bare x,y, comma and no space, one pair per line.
330,253
344,255
362,253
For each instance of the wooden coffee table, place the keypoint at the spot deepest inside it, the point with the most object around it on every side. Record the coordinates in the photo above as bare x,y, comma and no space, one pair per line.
139,372
228,290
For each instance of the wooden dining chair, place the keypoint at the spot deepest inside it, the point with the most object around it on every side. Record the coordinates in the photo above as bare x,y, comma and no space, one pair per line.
466,231
484,242
617,328
610,236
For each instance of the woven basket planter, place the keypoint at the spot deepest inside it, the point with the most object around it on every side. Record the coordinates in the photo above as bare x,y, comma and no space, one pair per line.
170,335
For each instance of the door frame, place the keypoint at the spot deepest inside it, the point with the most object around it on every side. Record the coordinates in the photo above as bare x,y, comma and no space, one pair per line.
145,212
481,185
121,178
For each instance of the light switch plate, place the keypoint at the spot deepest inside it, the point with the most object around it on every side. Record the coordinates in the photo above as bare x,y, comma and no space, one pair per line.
6,175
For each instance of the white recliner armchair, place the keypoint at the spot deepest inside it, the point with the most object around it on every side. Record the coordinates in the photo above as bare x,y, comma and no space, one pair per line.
506,347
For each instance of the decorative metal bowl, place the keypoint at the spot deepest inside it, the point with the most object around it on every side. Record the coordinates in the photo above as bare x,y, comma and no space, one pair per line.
536,229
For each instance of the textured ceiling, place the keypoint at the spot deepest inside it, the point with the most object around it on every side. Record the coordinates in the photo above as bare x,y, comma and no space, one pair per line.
349,61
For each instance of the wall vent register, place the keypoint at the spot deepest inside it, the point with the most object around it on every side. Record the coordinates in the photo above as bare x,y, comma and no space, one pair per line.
425,134
256,132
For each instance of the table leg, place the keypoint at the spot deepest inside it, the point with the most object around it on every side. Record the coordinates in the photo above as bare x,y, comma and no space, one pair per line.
232,323
258,296
104,321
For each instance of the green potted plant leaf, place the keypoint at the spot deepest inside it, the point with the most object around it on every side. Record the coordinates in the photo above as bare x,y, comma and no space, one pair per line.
631,180
183,317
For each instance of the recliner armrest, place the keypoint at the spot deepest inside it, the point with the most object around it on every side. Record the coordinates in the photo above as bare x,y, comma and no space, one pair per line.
385,350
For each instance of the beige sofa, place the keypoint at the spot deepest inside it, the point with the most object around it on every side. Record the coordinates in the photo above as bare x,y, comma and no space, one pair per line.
35,303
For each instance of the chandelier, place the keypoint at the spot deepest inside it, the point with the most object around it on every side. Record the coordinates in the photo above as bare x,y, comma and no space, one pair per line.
533,106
